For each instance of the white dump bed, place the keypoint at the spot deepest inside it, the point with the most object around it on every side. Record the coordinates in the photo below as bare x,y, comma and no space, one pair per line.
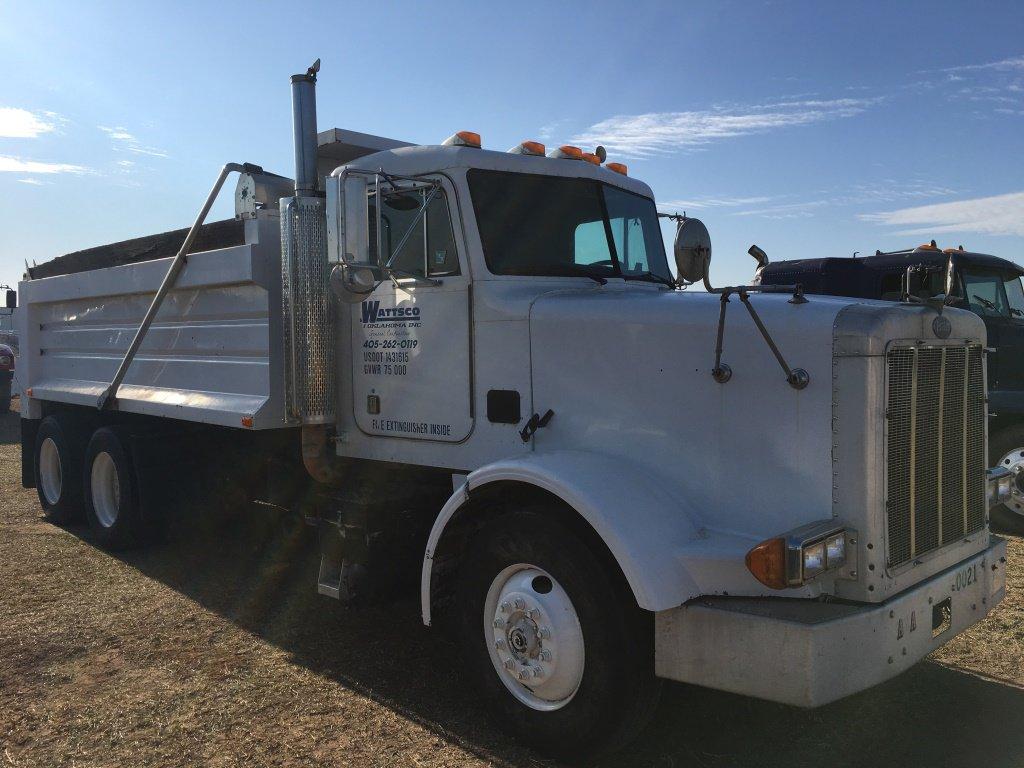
213,353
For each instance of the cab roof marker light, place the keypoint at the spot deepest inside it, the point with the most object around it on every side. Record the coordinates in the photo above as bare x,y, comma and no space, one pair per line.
567,152
618,168
528,148
591,158
463,139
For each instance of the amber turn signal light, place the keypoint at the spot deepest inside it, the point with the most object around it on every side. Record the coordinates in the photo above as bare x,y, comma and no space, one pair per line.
767,561
617,167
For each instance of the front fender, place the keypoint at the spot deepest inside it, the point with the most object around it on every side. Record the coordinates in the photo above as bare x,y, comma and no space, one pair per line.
642,523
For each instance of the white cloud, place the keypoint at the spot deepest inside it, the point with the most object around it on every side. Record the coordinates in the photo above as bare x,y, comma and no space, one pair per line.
10,164
656,133
1012,64
121,136
18,123
713,202
34,182
997,215
798,210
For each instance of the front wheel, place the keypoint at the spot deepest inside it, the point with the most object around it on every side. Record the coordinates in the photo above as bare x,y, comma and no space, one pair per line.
558,646
1006,449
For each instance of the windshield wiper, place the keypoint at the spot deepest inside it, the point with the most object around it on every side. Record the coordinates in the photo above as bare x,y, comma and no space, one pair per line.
984,302
650,277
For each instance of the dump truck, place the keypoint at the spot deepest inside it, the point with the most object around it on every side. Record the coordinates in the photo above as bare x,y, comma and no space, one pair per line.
988,286
476,373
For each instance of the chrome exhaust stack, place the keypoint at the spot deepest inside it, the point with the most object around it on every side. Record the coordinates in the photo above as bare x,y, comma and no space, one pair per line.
304,129
307,310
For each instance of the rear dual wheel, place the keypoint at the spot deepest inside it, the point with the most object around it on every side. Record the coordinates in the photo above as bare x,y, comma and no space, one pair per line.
111,490
60,440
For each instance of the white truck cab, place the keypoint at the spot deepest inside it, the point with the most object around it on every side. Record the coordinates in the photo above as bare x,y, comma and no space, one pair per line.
607,480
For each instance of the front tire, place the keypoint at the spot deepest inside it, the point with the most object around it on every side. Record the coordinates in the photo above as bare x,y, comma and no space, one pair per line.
561,653
58,467
111,491
5,394
1006,449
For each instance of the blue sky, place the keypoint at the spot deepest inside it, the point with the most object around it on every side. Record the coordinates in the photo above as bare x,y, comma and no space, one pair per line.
809,128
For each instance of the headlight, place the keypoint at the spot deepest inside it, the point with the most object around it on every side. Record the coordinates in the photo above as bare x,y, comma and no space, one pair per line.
835,550
803,554
813,560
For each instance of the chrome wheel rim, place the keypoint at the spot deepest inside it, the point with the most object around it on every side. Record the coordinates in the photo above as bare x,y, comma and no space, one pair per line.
534,637
1014,461
106,489
50,474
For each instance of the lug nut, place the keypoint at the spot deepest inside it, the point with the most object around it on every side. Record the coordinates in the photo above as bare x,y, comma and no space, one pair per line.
545,655
499,644
509,664
538,672
499,623
544,633
534,614
520,603
506,607
523,674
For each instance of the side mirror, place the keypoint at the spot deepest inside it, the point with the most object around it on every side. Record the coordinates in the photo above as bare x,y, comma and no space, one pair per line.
348,212
949,283
11,300
351,283
692,248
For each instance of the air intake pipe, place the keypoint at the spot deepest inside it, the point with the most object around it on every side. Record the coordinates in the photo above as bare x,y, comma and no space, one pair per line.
307,311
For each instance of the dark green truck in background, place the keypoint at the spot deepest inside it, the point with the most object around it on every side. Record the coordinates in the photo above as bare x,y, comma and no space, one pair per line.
986,285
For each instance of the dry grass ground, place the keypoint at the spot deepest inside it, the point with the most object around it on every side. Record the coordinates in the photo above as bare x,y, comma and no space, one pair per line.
214,649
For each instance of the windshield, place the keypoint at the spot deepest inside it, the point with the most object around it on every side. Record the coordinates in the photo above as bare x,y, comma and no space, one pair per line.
990,293
551,225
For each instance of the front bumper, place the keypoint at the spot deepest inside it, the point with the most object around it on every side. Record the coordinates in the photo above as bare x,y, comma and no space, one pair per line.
808,653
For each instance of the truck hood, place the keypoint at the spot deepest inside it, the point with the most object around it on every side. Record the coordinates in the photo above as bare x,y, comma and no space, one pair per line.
627,371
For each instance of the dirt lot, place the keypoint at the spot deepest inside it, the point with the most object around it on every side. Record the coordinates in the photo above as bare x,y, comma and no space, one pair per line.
214,649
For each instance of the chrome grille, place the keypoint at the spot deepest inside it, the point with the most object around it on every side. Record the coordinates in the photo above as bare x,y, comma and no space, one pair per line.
307,311
935,447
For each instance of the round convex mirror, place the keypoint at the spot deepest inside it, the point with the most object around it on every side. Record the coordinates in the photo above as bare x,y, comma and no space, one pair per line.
692,248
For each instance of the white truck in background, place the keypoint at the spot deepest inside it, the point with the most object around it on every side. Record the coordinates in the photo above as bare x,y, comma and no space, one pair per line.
475,369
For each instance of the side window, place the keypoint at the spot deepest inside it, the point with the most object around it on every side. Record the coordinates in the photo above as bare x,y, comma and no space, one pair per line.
591,244
1014,296
419,245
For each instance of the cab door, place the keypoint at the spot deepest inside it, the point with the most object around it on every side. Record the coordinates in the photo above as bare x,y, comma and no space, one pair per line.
411,336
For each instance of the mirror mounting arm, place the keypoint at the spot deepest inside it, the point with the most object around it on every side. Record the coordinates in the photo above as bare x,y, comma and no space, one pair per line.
797,378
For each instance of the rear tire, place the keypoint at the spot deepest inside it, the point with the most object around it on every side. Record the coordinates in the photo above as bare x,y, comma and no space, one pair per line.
1006,449
60,441
110,489
571,671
